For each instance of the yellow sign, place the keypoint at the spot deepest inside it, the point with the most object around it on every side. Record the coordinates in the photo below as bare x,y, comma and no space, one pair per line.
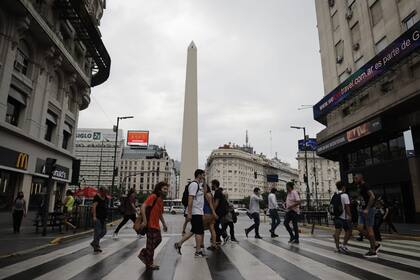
22,161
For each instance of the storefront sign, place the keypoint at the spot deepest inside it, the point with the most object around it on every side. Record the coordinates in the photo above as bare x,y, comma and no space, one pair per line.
88,136
14,159
310,144
399,49
60,172
350,135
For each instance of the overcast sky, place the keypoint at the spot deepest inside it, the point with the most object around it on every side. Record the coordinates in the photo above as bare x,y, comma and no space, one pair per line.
258,61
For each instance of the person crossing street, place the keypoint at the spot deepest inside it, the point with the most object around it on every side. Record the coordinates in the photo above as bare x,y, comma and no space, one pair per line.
273,212
292,208
254,210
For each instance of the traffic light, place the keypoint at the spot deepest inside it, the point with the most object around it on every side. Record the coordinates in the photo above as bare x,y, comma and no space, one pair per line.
50,165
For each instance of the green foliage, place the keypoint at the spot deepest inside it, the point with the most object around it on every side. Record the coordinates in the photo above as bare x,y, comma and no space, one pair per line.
245,201
281,195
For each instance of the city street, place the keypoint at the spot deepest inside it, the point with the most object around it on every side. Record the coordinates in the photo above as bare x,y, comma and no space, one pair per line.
313,258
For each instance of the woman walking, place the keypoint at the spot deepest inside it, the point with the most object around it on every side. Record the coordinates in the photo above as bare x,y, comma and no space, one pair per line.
68,209
129,209
19,211
152,212
210,217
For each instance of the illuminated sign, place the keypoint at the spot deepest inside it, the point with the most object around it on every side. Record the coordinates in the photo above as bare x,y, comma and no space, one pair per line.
13,159
22,161
138,138
310,144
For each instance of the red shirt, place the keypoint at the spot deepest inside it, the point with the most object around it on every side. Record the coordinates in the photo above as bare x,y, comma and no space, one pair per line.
156,211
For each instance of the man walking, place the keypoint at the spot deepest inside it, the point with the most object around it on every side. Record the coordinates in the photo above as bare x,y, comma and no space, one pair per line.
342,217
292,208
367,215
129,209
254,210
272,210
195,214
99,209
220,206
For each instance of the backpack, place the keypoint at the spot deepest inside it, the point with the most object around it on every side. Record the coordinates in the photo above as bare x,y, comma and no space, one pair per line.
186,193
336,207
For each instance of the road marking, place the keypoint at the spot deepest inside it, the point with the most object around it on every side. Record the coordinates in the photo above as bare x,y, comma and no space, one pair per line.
190,268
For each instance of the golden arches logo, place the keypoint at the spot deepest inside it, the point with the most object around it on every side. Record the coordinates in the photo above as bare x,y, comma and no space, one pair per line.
22,161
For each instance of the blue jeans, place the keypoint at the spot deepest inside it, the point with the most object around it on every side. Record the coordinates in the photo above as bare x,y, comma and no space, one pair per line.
99,231
275,219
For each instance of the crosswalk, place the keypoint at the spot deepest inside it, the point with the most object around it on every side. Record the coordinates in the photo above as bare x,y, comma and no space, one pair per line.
313,258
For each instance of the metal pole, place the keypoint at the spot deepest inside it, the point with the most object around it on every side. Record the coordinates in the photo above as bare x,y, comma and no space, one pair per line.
100,164
306,169
316,183
115,158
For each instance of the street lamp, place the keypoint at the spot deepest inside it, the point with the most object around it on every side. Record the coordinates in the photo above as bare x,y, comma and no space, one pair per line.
100,161
115,150
306,164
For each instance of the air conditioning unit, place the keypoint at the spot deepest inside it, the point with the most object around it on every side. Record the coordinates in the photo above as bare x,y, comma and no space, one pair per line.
349,14
356,46
331,3
339,59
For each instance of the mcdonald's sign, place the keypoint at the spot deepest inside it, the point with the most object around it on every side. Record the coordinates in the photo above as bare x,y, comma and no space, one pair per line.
22,161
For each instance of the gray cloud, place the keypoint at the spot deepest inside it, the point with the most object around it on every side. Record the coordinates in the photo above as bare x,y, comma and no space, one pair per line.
258,62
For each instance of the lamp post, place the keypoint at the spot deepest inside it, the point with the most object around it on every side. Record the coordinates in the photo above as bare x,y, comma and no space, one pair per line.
316,182
100,161
115,150
308,198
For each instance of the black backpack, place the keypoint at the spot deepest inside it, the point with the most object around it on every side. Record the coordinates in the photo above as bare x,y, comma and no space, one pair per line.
186,194
336,207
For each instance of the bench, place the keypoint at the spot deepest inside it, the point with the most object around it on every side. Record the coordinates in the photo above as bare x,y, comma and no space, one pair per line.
54,219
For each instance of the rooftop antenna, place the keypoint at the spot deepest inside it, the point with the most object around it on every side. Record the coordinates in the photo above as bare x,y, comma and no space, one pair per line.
246,138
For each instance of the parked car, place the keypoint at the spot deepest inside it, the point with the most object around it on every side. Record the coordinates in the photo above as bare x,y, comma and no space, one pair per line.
166,209
177,210
241,211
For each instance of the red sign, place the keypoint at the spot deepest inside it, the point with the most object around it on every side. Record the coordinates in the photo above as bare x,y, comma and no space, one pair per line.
138,138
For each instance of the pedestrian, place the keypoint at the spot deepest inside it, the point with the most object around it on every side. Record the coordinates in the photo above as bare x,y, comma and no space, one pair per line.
99,213
389,209
220,205
254,210
273,212
154,203
229,220
293,210
367,215
342,217
209,217
68,209
18,211
195,214
379,218
129,211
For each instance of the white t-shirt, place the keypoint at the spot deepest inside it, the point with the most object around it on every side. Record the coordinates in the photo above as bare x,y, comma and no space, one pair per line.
198,201
272,201
345,200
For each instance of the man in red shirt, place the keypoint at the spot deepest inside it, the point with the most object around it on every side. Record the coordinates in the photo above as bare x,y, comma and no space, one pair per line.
152,212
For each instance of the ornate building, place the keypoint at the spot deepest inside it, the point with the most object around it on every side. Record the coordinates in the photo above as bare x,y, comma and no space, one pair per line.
51,54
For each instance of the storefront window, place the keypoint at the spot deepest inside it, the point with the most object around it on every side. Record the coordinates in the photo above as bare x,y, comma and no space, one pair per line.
380,152
364,157
397,147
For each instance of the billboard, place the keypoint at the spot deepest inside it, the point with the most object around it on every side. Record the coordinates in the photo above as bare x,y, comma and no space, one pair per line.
138,138
310,145
88,136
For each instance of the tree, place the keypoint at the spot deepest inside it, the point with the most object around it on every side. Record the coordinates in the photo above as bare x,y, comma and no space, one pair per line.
245,201
281,195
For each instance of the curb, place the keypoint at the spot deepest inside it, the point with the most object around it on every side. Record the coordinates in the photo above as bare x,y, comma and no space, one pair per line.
55,241
356,232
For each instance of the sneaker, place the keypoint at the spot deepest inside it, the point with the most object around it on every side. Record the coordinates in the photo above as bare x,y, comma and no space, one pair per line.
273,235
139,236
97,250
199,255
370,255
295,241
291,240
94,246
359,238
345,249
377,247
234,240
177,248
226,239
342,250
115,236
152,267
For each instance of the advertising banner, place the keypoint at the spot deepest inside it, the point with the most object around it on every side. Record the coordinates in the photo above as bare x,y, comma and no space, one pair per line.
310,144
138,138
88,136
60,172
399,49
14,159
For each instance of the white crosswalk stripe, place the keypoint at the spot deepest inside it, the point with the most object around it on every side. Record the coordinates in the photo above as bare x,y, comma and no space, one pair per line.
312,256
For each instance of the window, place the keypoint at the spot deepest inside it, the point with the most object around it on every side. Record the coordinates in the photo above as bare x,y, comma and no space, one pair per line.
16,102
355,35
381,44
51,124
339,51
335,21
397,148
376,12
22,64
380,153
409,21
67,132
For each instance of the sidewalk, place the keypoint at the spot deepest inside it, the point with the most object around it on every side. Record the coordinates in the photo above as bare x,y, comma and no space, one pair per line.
28,239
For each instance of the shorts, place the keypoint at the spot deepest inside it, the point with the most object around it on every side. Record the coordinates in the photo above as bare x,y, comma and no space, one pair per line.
368,221
197,226
340,223
208,219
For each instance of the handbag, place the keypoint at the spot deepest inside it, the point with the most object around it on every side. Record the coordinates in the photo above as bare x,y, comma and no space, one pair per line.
139,220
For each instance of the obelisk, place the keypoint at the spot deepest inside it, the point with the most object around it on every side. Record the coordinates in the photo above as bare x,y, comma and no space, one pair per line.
189,153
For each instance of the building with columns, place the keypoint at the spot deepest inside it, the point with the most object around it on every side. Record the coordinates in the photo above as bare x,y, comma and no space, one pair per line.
371,104
51,55
239,170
